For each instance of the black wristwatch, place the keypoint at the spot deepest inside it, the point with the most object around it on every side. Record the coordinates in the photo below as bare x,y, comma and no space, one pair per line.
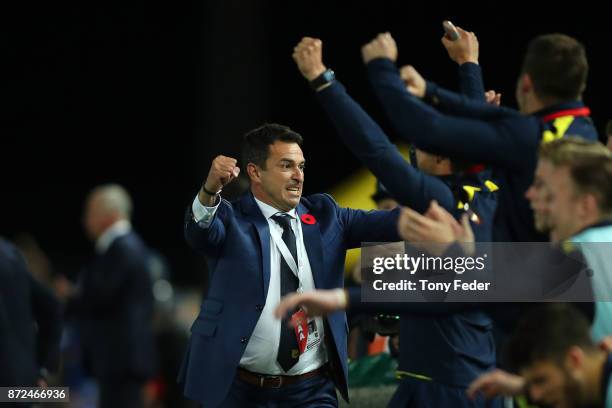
323,80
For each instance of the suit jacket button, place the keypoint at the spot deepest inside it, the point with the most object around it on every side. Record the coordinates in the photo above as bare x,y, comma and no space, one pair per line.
243,340
259,308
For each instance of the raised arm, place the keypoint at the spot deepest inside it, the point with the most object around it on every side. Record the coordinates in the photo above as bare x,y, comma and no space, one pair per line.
494,138
465,52
367,141
379,56
204,229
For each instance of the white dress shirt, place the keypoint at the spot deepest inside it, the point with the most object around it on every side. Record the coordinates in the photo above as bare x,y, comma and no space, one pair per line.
262,349
106,239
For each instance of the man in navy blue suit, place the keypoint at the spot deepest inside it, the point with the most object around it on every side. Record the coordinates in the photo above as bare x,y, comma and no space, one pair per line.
114,302
270,242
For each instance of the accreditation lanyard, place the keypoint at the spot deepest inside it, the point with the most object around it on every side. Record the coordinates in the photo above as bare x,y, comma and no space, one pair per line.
286,254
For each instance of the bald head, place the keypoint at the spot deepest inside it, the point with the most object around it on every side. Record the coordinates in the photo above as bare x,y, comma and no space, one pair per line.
106,205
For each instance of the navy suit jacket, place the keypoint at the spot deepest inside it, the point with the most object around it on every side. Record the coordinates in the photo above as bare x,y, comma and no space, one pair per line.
237,248
30,322
115,307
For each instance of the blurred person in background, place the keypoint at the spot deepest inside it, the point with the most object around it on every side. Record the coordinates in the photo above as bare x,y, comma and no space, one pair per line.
30,324
113,301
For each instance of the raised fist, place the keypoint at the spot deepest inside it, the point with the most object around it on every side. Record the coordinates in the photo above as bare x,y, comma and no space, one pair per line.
415,84
222,171
309,57
383,46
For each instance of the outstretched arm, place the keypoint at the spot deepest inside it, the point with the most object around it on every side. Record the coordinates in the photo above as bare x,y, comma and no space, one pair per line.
367,141
494,138
436,227
321,302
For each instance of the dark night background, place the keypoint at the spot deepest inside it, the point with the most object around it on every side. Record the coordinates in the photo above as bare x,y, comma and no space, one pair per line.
147,93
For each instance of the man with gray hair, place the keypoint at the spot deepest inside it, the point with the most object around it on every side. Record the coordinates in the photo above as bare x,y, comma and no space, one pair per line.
114,301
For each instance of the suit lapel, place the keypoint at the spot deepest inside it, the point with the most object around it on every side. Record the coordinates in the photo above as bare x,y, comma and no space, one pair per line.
312,242
253,213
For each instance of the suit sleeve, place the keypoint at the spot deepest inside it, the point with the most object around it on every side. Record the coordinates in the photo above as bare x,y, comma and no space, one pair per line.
494,138
425,309
370,145
368,226
207,237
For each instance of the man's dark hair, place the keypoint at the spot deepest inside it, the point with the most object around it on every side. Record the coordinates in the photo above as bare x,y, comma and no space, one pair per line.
557,65
256,144
547,332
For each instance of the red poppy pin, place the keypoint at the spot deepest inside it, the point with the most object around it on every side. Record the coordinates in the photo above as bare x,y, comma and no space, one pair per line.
308,219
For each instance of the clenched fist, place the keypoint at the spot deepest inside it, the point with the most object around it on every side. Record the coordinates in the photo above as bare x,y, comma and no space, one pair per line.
222,171
308,55
493,97
383,46
415,84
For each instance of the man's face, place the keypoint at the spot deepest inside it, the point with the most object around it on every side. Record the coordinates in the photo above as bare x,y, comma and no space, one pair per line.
94,218
538,195
609,143
551,384
282,179
564,204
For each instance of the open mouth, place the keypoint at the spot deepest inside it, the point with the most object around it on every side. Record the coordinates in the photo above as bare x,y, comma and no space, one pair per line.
293,189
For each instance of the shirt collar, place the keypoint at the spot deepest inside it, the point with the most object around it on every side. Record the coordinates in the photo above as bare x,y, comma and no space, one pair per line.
118,229
599,224
268,211
559,107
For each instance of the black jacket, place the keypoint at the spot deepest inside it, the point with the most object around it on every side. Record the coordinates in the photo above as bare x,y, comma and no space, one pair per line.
30,322
115,308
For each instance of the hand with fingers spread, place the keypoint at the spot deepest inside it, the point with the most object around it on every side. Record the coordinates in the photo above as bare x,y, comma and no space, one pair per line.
495,383
383,46
222,171
464,49
435,230
415,83
493,98
463,231
308,55
319,302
